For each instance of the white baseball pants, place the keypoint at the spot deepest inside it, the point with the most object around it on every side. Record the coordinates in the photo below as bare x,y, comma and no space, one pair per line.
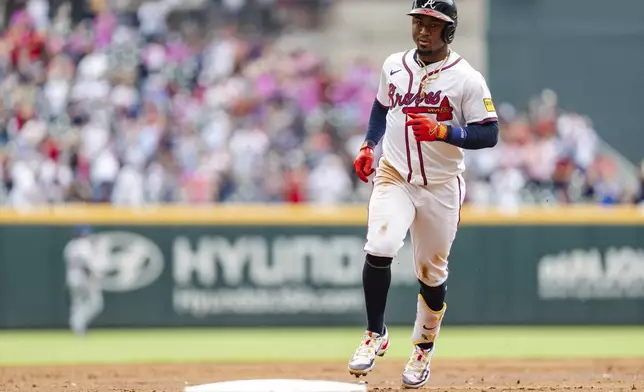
431,213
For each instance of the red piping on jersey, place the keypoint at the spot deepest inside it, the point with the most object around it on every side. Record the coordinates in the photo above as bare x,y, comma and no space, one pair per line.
420,152
485,121
422,165
433,72
411,82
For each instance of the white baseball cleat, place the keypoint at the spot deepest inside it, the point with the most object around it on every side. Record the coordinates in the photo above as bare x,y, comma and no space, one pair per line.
364,358
416,373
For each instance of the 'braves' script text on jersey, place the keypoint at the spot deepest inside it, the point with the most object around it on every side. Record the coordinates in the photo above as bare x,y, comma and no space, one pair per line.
460,96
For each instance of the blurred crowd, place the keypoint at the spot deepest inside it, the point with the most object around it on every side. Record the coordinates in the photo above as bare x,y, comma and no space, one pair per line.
123,109
547,155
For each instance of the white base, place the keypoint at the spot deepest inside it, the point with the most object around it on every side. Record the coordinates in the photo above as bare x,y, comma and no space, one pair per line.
277,385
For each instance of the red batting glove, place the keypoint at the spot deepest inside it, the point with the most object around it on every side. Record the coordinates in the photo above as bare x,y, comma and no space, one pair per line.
426,129
363,162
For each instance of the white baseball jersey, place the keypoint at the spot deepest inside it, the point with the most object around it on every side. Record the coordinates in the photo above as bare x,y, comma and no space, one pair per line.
460,96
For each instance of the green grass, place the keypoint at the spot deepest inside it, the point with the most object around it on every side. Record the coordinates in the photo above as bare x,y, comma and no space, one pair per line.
287,344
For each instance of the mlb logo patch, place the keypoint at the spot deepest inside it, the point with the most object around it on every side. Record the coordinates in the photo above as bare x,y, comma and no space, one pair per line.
489,105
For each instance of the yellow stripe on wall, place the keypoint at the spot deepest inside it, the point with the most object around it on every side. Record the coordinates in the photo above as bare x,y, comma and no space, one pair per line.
304,215
188,215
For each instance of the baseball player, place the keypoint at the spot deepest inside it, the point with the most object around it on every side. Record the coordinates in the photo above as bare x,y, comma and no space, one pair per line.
83,281
430,107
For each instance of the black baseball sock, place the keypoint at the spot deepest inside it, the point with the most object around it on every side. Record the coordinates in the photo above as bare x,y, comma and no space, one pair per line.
434,298
376,278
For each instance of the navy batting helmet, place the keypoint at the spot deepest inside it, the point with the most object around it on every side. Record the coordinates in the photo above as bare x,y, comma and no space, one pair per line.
439,9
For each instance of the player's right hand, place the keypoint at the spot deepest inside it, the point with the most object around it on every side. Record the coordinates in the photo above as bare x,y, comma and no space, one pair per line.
363,162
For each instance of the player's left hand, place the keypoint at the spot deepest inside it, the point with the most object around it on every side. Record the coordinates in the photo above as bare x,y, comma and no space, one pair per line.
426,129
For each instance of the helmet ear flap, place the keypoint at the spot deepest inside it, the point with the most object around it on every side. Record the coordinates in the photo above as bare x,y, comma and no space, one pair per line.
449,31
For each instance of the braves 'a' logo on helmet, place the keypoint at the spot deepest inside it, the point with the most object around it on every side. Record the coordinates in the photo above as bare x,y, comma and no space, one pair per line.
430,3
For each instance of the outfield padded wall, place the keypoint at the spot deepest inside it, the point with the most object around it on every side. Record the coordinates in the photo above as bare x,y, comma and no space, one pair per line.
258,265
565,46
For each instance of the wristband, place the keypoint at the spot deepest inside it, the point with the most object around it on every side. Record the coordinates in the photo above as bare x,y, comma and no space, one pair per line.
442,132
456,136
368,143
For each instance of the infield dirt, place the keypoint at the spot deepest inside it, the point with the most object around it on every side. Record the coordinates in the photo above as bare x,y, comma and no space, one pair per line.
447,375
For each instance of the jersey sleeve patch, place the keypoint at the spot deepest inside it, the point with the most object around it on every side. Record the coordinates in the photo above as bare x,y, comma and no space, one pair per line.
489,105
